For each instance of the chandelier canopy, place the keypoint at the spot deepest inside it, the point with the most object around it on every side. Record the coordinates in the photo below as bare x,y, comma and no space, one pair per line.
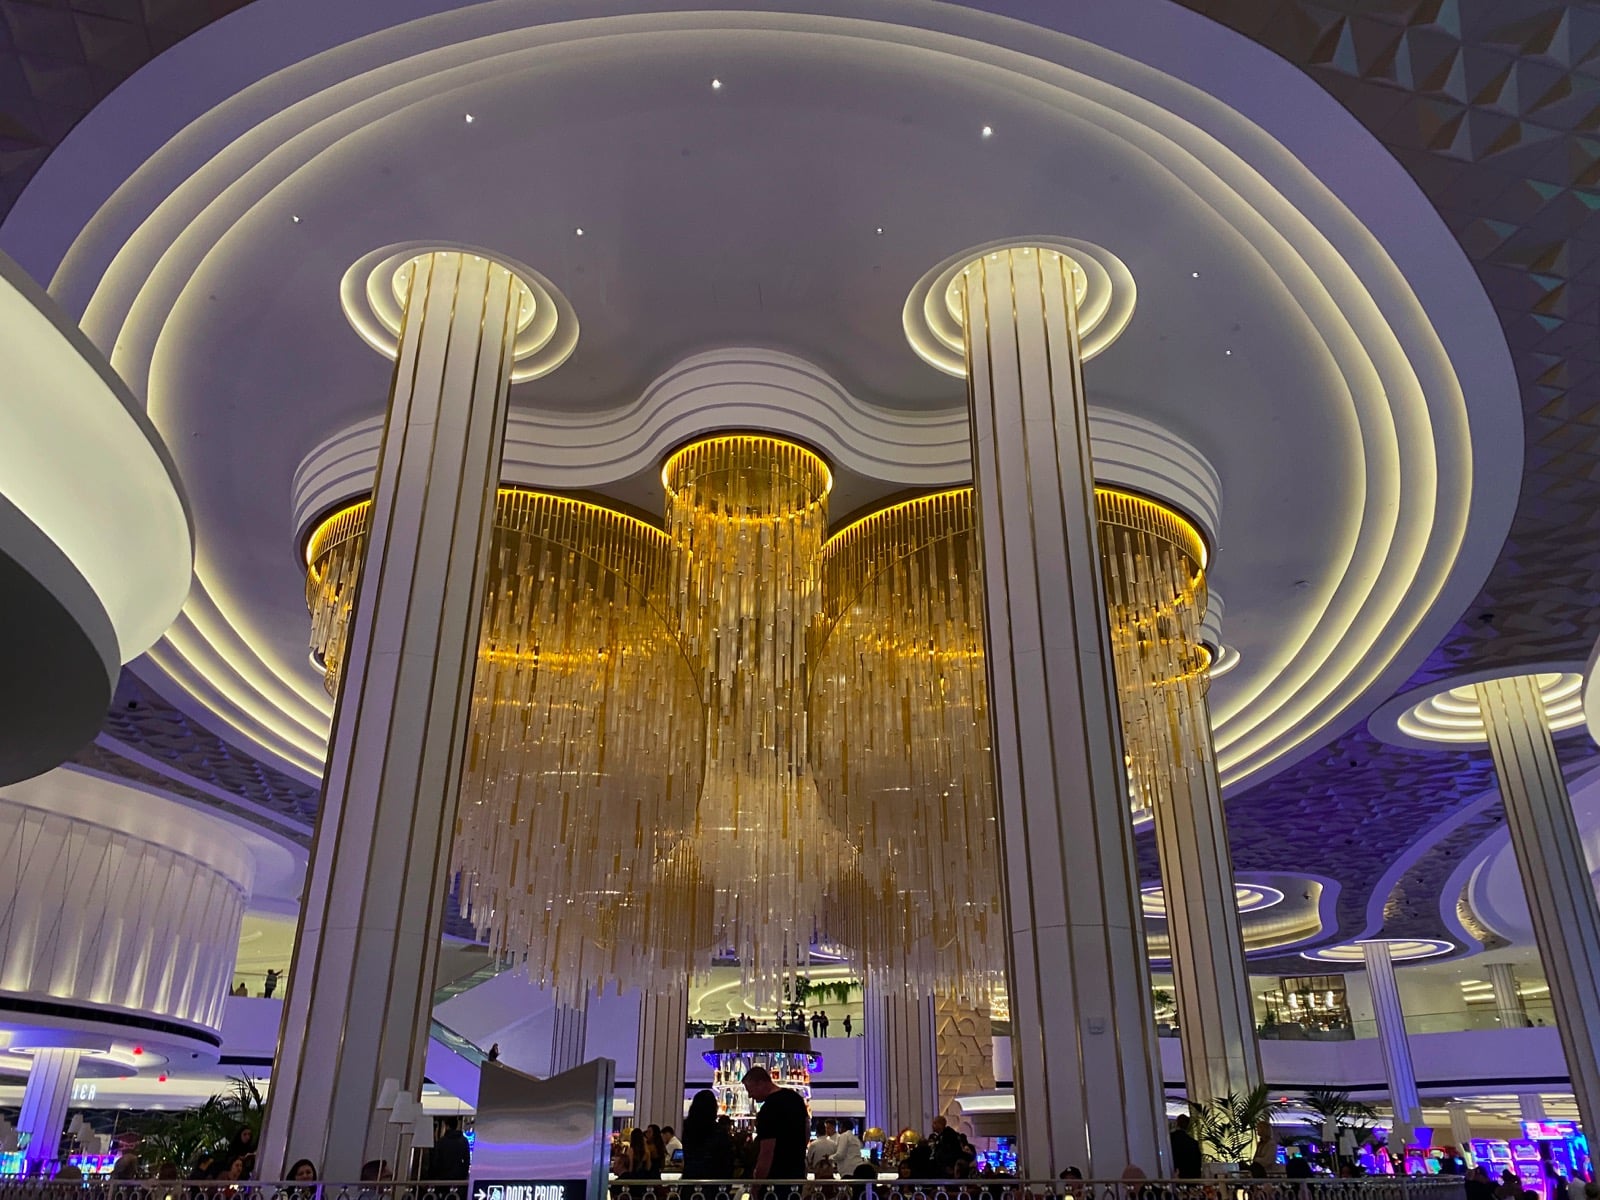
737,735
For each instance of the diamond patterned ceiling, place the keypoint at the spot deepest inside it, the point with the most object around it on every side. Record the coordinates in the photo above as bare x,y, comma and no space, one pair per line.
1494,108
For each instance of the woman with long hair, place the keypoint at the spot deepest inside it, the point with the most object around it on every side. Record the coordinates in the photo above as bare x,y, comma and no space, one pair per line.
641,1164
707,1144
656,1146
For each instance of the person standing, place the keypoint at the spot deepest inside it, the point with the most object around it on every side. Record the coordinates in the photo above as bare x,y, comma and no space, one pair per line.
1186,1160
846,1150
707,1142
822,1148
271,984
847,1024
782,1128
451,1157
823,1019
945,1145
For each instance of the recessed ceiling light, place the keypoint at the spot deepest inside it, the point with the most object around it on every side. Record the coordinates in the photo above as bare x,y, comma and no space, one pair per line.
879,229
578,231
716,85
469,118
295,218
1194,274
1228,352
988,131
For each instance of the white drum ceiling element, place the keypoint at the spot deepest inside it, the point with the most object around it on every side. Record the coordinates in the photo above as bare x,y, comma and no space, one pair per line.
1305,320
120,908
96,548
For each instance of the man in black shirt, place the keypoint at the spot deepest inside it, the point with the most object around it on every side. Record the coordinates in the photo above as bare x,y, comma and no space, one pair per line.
783,1126
1186,1160
452,1153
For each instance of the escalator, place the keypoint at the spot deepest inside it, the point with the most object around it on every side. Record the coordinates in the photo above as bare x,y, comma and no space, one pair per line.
454,1061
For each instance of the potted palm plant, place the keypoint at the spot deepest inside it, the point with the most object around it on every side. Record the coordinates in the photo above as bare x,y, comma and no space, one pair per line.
1225,1126
1337,1114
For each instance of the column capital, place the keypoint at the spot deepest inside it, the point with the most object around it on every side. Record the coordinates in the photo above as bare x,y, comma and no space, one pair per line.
1103,294
374,289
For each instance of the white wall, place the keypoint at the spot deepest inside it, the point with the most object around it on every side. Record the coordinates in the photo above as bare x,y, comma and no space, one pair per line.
1448,1063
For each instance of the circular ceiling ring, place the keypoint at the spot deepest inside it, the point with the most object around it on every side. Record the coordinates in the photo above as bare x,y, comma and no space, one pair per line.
1103,286
372,295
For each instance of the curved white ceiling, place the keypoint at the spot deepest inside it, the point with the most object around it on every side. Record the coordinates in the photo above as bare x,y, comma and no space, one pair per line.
1495,887
80,461
1304,318
1444,712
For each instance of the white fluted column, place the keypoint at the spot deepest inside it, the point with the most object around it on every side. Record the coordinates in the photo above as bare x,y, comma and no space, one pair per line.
361,987
45,1100
659,1080
1507,996
567,1036
1392,1039
1555,875
899,1064
1460,1128
1216,1020
1087,1071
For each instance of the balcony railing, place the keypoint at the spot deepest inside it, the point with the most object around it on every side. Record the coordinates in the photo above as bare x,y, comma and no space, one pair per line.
1535,1014
1438,1187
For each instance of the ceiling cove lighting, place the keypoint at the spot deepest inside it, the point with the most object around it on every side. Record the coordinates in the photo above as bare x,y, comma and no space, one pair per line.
1452,715
1249,897
1331,657
1401,950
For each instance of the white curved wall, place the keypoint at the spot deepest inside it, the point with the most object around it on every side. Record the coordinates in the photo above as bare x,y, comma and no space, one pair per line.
97,916
755,390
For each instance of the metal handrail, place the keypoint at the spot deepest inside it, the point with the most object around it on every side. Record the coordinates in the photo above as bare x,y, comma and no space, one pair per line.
1002,1187
985,1187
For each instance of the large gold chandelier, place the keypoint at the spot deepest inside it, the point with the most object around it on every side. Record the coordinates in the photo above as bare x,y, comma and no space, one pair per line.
735,734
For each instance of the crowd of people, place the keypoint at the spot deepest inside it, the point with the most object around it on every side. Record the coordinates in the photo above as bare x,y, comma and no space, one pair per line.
1480,1185
779,1145
795,1020
449,1159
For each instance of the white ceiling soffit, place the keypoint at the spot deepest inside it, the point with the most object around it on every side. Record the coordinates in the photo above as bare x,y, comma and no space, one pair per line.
95,540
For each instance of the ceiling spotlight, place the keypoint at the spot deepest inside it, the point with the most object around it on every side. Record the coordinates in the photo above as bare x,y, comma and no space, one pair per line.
879,229
988,131
1228,352
716,85
469,118
578,231
295,218
1194,274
